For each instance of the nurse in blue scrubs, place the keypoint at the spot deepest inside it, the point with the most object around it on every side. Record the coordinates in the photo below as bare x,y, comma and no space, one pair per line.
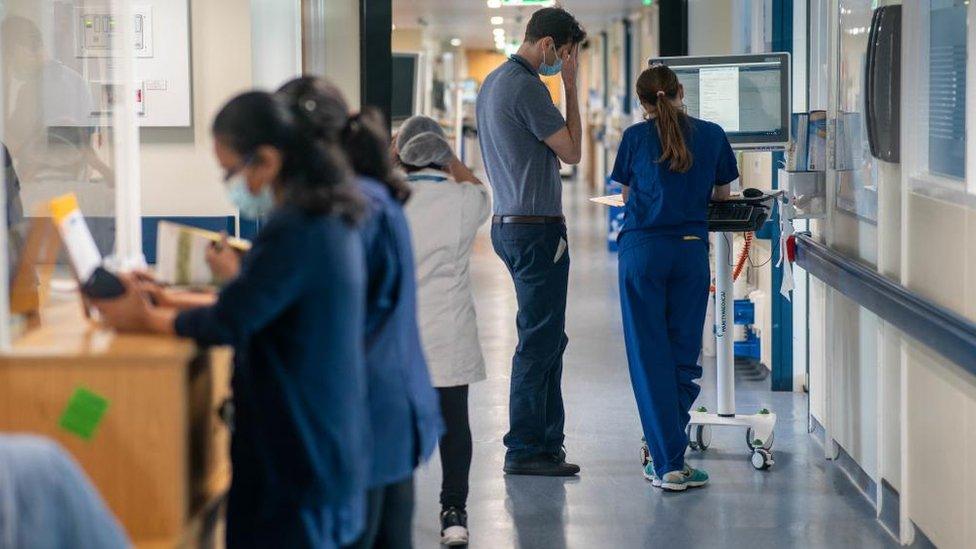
404,410
295,317
671,165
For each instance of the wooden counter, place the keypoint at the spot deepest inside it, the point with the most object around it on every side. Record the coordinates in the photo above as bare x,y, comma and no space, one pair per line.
159,456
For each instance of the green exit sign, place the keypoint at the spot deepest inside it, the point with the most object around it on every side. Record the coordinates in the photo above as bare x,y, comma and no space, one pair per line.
647,2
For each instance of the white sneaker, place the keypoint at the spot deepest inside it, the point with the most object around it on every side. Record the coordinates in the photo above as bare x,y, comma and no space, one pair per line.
454,527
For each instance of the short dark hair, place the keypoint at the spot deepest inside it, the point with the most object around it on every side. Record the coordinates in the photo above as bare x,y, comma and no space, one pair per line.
557,23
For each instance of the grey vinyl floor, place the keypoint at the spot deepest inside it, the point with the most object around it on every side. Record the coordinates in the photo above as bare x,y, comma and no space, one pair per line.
803,501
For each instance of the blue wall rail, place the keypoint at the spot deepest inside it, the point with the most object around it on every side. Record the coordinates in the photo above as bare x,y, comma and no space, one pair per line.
943,331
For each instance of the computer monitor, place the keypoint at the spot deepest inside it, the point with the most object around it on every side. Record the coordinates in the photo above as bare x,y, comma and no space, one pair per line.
406,86
748,95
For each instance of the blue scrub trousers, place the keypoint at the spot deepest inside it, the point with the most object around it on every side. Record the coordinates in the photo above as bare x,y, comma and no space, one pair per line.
664,284
540,270
259,519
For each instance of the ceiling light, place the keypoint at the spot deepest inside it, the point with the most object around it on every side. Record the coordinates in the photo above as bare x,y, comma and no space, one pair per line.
494,4
497,20
455,42
498,32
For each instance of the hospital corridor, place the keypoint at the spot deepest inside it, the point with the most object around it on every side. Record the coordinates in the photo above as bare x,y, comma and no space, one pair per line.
498,274
807,503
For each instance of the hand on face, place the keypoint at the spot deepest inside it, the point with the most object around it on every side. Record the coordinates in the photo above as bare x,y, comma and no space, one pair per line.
570,66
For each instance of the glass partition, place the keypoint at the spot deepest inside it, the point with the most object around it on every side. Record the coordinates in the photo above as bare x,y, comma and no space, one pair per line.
857,172
69,105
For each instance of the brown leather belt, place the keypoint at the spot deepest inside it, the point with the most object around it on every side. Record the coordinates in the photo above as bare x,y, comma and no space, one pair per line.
529,219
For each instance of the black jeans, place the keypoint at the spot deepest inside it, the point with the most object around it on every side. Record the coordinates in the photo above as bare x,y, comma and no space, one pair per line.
537,257
455,446
389,522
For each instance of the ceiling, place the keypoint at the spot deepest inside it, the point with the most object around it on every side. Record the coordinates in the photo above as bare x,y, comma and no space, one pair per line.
469,20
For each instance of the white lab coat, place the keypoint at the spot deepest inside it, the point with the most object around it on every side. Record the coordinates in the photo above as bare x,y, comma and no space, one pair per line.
444,217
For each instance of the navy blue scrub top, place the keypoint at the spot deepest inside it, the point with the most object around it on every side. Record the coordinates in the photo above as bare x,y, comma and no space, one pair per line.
404,408
295,318
665,202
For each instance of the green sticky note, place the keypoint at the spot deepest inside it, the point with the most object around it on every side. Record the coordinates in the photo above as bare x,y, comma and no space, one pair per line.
84,412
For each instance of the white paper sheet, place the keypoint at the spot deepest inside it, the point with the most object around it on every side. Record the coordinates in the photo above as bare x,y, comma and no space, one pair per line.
609,200
718,96
78,240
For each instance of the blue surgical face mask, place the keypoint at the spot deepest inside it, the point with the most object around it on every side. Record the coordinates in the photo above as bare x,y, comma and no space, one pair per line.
251,206
551,70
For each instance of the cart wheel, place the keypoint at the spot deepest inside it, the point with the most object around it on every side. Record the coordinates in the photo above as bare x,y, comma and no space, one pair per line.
752,442
761,459
645,454
703,437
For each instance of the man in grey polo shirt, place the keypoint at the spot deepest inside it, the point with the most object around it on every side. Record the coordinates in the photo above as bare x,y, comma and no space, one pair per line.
523,137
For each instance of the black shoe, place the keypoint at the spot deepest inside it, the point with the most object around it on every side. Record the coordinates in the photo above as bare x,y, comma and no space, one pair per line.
454,527
543,466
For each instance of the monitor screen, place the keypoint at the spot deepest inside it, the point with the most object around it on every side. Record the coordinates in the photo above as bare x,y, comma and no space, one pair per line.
405,67
747,95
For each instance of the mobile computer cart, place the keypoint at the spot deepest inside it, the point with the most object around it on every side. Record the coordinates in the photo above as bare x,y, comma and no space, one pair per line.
725,218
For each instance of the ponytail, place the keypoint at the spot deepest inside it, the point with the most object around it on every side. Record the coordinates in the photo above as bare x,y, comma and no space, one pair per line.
363,138
657,87
367,144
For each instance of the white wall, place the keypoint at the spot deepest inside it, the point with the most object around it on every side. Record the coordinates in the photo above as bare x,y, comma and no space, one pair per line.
710,27
179,175
276,42
940,260
342,47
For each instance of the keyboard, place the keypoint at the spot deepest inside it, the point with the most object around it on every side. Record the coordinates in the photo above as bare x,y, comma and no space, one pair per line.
735,216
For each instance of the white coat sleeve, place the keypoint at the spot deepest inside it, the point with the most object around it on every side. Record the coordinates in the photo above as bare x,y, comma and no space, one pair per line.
475,208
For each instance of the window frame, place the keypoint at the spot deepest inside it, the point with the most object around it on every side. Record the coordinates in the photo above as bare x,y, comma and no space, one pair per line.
915,91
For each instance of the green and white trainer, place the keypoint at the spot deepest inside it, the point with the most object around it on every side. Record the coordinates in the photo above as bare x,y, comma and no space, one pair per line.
647,465
689,477
650,475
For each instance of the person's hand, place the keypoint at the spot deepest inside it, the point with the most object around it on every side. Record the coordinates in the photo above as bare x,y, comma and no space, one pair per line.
570,67
224,261
150,287
394,152
127,313
461,173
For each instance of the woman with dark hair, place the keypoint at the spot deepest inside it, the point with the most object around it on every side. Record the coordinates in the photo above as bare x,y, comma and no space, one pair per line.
294,315
404,413
671,165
